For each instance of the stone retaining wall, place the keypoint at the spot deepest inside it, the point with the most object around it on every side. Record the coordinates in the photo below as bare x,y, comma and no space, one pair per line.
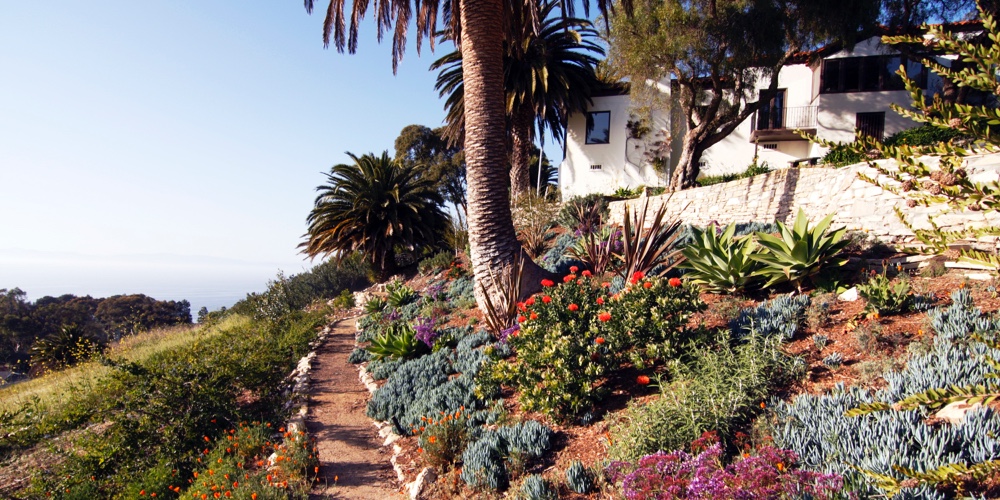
858,204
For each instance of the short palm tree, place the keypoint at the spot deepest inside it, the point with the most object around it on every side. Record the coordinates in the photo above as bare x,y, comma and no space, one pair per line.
374,206
548,74
68,346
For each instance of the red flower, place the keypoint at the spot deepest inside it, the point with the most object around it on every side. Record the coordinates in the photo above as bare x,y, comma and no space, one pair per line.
534,315
573,269
647,285
521,307
642,380
586,273
599,340
637,276
573,307
606,284
520,319
674,282
530,301
600,301
568,278
546,299
548,283
604,316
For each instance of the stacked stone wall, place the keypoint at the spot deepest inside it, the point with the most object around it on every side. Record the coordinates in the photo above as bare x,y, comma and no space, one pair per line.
857,204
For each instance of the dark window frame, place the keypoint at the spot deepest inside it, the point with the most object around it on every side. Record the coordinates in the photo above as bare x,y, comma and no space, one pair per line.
591,125
870,124
861,80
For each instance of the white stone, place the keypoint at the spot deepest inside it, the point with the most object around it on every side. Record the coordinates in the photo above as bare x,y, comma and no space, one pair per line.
849,296
955,412
979,276
426,476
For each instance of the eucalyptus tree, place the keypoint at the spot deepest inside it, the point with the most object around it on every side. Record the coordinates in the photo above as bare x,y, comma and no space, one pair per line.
713,54
374,206
477,27
547,75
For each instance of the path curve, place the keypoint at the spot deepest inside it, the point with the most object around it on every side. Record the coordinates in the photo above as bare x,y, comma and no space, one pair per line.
349,446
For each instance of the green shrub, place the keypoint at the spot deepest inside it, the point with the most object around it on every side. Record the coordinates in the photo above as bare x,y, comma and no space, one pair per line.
443,439
435,264
719,388
800,252
924,135
375,305
720,263
359,355
753,169
490,461
345,300
536,488
778,317
884,297
843,155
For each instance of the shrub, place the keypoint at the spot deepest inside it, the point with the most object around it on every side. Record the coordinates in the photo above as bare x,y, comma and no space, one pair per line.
766,473
345,300
536,488
557,260
843,155
924,135
718,388
485,461
753,169
461,293
578,478
435,264
884,297
779,316
584,213
800,252
359,355
70,345
818,311
720,263
443,439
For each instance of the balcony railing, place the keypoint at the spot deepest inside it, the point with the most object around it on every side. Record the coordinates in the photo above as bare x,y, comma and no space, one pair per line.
778,124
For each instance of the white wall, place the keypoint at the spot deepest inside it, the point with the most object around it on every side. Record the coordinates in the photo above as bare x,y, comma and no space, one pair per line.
575,174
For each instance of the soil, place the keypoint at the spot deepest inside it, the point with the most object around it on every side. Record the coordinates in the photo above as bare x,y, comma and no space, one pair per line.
352,462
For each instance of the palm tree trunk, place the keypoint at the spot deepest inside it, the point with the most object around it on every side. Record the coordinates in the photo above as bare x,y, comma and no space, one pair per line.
520,157
492,239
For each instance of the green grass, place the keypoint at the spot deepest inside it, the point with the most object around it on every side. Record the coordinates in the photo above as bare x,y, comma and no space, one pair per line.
57,389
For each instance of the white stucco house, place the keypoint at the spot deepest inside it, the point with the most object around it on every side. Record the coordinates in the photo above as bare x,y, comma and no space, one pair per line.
832,94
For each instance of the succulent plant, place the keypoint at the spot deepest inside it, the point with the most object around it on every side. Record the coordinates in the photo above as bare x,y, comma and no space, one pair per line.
578,478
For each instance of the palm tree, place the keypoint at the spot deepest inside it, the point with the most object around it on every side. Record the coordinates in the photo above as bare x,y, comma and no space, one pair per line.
374,207
547,76
478,28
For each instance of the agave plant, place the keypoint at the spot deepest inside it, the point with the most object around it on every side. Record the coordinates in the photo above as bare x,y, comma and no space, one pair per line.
400,294
721,263
398,341
70,345
800,252
375,305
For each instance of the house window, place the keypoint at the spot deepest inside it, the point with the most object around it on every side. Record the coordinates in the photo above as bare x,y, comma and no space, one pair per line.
771,146
868,74
771,114
596,167
870,125
598,127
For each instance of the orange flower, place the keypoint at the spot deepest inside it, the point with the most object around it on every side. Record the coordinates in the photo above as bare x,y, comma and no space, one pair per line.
534,315
530,301
568,278
548,283
546,299
606,285
648,284
762,405
638,275
253,496
520,319
674,282
573,307
142,492
604,317
586,273
573,269
599,340
642,380
432,439
780,466
600,301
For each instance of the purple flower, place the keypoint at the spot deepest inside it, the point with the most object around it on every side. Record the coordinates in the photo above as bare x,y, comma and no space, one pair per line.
393,315
425,331
507,333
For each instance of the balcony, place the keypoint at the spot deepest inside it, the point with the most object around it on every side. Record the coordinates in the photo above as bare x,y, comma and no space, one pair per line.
773,124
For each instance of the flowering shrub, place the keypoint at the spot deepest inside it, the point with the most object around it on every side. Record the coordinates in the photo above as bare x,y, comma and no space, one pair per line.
648,320
572,333
763,473
425,331
442,441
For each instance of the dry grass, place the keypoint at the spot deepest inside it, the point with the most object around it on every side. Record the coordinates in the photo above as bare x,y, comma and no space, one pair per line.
55,389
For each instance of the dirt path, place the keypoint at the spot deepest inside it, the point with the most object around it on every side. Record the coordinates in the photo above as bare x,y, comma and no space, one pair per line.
352,464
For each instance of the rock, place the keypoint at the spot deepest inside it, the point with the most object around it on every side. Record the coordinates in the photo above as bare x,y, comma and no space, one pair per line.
849,296
979,276
955,412
426,476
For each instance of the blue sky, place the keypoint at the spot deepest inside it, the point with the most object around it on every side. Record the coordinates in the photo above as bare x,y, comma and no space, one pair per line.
180,137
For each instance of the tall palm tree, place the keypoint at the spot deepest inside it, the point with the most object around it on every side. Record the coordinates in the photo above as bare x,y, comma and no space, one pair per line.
374,206
478,28
547,76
